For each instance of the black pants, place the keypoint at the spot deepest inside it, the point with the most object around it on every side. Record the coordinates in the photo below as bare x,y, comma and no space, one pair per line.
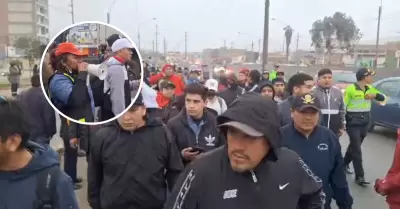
70,160
14,89
353,154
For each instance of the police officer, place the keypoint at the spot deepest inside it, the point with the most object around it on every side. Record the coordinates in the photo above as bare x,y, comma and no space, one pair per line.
357,100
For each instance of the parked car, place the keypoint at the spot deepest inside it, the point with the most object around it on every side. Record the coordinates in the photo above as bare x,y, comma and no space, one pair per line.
387,114
341,78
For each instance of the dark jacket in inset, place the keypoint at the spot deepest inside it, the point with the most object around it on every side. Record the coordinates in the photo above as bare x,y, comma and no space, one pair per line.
70,94
130,169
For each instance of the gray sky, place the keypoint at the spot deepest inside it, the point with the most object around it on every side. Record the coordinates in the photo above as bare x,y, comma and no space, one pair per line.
210,22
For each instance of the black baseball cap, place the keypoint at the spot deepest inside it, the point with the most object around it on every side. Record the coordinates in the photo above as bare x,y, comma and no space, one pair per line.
167,84
364,72
278,80
307,101
139,100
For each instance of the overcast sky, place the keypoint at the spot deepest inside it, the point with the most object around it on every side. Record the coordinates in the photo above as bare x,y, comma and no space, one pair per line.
210,22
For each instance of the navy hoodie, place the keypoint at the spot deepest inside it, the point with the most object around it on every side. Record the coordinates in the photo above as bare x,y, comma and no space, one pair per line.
18,187
321,151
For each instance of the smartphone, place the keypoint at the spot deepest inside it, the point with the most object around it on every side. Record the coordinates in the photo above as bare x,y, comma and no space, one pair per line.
198,149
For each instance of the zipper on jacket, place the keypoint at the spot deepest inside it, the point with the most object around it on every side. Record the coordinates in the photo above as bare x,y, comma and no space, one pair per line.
253,175
255,180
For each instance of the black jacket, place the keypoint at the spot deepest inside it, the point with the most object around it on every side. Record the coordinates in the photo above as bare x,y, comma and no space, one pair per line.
39,115
210,183
231,93
207,137
281,180
130,170
322,152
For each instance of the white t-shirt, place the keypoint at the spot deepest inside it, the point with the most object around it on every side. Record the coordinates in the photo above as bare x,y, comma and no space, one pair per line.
218,104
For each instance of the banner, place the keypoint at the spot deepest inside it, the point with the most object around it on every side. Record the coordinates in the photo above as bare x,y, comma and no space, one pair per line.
85,34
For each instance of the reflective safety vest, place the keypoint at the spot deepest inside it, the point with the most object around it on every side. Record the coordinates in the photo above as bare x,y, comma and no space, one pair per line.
272,75
73,81
354,98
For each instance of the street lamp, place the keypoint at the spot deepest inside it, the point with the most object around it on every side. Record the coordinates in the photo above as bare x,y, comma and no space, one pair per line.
109,11
138,35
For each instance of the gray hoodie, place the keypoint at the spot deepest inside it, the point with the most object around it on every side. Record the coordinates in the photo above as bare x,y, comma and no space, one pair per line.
332,107
115,81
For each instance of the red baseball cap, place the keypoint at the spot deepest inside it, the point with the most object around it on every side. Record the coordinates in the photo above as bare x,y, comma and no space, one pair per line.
68,47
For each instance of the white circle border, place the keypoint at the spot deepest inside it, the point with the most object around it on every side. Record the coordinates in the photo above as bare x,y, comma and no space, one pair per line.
100,122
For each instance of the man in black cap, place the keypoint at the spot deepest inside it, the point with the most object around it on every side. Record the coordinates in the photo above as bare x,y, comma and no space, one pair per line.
319,148
252,170
357,101
131,161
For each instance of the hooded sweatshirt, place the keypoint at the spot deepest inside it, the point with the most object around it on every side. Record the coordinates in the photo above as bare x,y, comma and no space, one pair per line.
280,181
130,169
117,84
18,188
265,83
176,79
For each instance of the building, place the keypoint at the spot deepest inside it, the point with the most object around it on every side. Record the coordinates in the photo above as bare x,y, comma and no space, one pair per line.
393,54
23,18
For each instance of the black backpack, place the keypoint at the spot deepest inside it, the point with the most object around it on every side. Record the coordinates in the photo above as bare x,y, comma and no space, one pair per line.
97,87
46,188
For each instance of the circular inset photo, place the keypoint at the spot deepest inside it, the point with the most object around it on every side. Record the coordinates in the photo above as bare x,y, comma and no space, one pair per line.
91,73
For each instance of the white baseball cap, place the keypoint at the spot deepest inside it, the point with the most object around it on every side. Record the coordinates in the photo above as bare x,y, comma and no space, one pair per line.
121,43
212,84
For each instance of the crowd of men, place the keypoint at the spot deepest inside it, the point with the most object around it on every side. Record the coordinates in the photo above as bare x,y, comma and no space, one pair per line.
251,140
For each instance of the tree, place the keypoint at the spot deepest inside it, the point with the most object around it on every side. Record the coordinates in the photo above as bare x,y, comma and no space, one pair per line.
288,36
30,46
337,31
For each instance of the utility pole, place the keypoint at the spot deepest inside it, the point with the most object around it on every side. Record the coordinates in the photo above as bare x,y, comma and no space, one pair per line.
138,37
153,46
297,47
224,43
266,35
377,36
71,4
252,51
165,47
186,46
259,49
156,38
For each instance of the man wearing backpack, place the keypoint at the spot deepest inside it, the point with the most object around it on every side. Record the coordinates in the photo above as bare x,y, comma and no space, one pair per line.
116,83
30,176
214,102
